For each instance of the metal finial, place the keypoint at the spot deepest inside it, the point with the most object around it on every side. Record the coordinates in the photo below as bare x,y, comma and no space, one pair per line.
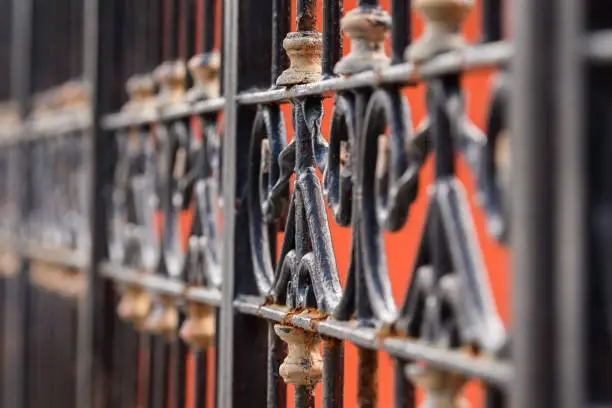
303,364
170,76
204,69
141,91
198,329
304,48
443,389
163,318
367,29
443,19
134,306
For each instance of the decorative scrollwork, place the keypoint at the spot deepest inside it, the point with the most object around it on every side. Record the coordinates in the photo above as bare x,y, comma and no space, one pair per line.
202,182
495,175
306,274
177,199
449,301
383,187
268,192
133,201
337,179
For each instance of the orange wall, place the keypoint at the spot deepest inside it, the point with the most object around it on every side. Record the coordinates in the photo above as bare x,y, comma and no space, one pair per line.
402,246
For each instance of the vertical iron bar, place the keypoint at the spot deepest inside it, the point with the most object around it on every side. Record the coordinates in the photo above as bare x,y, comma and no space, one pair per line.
332,36
4,336
183,28
303,397
571,202
145,370
533,69
179,358
495,398
243,339
39,47
161,368
367,381
209,9
277,390
140,30
59,31
281,25
171,30
201,378
404,389
367,3
129,383
76,38
118,353
155,26
129,37
491,20
306,15
222,49
96,307
333,373
362,301
401,34
597,15
191,22
6,45
17,302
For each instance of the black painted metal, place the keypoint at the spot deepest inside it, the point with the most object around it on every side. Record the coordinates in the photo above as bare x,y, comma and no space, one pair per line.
246,184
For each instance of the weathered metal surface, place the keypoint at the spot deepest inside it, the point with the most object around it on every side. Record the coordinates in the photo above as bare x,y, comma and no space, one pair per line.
367,28
238,186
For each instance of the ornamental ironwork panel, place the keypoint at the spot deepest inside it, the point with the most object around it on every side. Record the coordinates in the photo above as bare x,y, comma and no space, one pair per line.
170,179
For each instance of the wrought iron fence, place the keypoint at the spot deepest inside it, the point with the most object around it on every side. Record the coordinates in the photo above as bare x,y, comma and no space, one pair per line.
160,217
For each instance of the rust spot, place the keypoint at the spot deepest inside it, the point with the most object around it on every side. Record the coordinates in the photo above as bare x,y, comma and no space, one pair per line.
307,16
384,332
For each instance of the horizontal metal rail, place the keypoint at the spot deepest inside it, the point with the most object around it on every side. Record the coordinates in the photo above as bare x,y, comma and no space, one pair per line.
56,255
469,59
144,116
494,372
598,46
161,285
57,124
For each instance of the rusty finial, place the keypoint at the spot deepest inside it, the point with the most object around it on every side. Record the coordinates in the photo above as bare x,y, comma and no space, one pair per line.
443,389
204,69
73,94
9,115
303,48
303,364
141,91
367,29
170,76
443,19
163,318
134,306
198,329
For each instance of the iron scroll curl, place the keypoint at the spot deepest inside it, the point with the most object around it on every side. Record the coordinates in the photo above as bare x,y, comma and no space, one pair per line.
264,202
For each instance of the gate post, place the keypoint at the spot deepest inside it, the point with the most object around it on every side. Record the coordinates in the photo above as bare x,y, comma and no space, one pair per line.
243,339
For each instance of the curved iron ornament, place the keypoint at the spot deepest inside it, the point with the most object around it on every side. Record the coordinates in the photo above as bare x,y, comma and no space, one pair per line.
134,198
175,200
201,185
268,195
495,172
383,186
306,274
449,301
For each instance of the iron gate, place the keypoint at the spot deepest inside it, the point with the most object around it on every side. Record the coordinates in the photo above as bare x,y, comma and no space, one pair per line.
168,186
